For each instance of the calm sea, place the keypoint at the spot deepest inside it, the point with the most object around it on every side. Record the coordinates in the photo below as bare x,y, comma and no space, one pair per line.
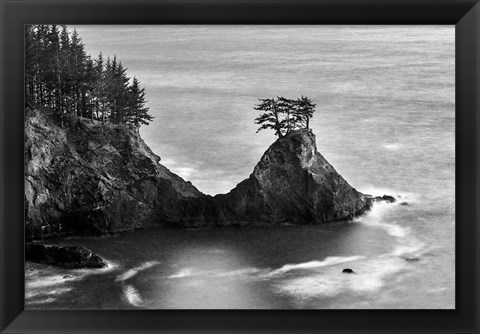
385,120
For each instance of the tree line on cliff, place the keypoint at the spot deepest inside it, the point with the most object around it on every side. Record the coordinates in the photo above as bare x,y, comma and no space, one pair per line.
60,78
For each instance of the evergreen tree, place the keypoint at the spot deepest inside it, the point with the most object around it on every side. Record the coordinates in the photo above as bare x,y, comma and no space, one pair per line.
284,115
61,78
304,109
271,117
137,112
77,62
31,65
286,109
65,71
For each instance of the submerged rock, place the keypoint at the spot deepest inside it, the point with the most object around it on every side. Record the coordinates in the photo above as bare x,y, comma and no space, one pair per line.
412,259
64,256
405,203
292,183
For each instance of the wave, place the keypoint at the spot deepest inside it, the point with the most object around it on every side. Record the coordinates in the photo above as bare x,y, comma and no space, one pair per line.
134,271
132,295
399,195
242,272
182,273
329,261
370,276
406,243
51,282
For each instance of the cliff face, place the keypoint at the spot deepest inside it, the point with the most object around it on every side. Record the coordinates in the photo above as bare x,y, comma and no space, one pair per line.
91,177
86,177
292,183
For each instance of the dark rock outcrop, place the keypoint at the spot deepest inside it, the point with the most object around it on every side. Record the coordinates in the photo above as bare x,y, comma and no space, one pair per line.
348,271
64,256
88,177
292,183
385,198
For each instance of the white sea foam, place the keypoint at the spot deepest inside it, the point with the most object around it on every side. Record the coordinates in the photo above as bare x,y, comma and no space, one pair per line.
182,273
406,243
329,261
44,281
41,301
46,285
325,278
400,195
132,295
242,272
392,146
134,271
369,277
83,272
375,218
31,293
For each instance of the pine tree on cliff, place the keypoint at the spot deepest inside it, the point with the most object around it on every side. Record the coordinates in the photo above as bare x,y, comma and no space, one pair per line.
271,117
287,109
77,67
137,112
304,109
31,65
284,115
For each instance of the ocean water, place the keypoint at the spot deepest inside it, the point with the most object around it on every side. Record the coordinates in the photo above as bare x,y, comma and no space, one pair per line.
385,120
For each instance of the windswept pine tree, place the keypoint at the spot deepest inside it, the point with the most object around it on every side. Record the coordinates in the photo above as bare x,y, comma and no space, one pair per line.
271,117
284,115
304,109
60,78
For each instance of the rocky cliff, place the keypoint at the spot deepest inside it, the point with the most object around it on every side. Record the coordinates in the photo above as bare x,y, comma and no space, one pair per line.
89,177
292,183
86,177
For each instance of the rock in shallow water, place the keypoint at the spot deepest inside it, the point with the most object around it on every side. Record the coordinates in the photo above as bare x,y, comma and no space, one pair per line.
63,256
385,198
348,271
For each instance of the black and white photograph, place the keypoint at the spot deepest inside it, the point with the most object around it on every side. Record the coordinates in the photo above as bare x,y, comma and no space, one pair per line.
245,167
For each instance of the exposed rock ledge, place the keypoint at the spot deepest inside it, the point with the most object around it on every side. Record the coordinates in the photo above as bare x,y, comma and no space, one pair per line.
93,178
64,256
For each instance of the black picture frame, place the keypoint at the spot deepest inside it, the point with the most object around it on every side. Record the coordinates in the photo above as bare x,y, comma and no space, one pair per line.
464,14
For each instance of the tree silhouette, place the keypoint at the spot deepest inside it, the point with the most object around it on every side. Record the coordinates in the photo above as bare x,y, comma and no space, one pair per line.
138,113
271,118
284,115
304,109
60,78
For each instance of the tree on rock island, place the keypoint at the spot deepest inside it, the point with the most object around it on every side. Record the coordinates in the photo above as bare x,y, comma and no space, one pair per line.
284,115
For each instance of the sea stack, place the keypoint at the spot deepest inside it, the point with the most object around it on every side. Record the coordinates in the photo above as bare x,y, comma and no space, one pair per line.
292,183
